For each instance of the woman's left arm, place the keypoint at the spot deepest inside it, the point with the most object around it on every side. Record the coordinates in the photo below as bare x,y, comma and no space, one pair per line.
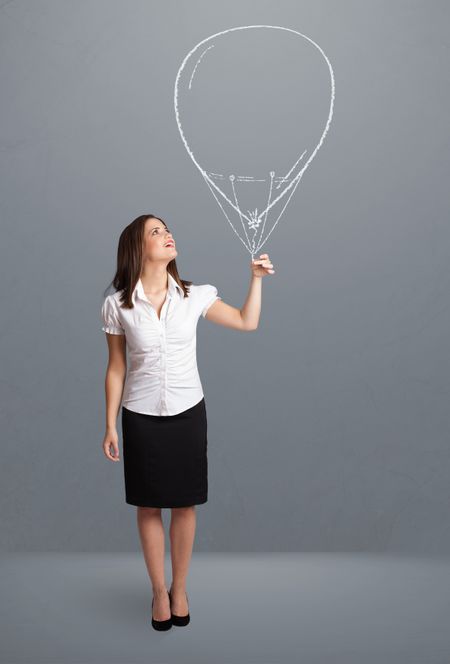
247,318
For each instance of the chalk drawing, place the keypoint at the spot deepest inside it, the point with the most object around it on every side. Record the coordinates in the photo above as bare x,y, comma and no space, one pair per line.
233,49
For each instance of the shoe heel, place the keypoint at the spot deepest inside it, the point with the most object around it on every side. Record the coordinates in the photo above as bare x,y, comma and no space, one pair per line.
179,621
161,625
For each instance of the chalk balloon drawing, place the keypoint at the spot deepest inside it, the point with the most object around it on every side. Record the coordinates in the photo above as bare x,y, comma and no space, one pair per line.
253,105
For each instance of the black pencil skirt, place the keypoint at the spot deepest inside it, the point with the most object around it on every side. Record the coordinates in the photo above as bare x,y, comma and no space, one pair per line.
165,457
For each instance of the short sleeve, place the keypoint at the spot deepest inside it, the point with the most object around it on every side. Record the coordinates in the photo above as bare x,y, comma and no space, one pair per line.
209,297
110,318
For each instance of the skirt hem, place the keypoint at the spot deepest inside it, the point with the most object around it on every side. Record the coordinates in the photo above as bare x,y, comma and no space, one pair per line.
177,503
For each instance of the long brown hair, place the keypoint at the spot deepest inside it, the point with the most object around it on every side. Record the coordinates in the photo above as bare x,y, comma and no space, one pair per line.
130,261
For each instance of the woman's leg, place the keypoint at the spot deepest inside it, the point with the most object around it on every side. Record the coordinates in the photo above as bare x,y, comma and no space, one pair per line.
182,533
151,533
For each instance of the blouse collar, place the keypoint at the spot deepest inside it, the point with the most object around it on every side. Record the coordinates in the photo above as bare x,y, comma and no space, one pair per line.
139,288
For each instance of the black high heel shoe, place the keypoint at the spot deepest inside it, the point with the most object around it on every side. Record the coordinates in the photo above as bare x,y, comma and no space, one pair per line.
180,621
161,625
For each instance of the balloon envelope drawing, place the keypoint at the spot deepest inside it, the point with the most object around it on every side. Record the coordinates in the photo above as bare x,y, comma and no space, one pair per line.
253,105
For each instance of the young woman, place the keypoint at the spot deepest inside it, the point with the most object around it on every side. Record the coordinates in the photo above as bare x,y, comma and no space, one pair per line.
153,314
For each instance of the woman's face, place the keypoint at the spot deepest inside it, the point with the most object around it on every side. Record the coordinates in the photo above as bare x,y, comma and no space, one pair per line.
158,242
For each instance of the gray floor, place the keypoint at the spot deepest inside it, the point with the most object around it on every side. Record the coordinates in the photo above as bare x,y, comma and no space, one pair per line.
261,608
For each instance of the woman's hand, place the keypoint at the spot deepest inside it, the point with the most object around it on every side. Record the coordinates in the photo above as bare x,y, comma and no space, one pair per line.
111,440
262,266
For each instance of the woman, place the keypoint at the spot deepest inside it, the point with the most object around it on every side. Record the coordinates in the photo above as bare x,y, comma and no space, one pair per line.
154,315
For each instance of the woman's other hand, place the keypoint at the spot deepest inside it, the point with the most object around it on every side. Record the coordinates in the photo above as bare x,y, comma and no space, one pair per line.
111,440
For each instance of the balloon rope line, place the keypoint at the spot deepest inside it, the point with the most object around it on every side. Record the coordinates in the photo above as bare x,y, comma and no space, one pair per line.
272,174
226,216
232,179
288,174
289,198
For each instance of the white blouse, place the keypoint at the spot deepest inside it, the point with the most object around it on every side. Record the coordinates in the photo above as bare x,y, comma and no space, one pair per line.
162,374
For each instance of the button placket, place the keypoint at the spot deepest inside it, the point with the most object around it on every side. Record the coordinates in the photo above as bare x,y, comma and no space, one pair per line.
163,357
161,325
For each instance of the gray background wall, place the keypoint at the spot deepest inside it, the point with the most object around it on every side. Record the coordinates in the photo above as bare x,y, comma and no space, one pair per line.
329,426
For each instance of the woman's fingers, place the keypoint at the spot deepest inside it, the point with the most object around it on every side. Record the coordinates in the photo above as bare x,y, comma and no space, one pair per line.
265,263
115,455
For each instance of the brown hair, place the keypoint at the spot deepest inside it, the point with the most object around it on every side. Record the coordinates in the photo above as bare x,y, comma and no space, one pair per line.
130,258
